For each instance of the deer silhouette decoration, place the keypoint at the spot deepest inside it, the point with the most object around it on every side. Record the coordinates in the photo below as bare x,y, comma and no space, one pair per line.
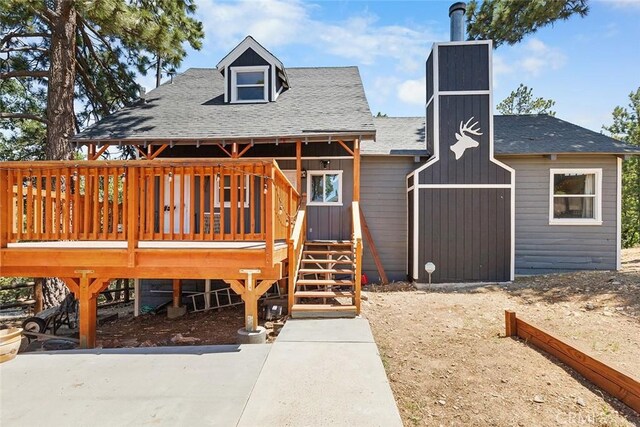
464,140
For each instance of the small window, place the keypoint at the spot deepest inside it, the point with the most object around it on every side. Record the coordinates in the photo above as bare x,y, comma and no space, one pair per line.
324,187
227,192
249,84
575,196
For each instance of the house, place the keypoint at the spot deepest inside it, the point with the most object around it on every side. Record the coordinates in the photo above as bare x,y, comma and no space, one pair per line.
261,176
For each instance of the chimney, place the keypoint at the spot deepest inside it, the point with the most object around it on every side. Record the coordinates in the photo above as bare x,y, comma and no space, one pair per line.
456,13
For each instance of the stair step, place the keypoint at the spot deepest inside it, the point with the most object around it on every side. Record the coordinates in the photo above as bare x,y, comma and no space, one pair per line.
327,261
325,282
314,252
328,243
325,271
322,310
323,294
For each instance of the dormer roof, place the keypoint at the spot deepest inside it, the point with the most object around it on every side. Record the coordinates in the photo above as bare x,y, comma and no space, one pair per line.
248,43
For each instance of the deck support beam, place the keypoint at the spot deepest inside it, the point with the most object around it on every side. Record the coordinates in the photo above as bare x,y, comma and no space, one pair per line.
299,167
250,290
177,309
86,291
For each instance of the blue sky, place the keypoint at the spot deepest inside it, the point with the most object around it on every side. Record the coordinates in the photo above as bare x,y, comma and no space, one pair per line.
587,65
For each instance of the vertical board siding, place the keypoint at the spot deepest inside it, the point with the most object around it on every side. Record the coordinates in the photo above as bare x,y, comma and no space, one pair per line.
541,247
384,203
466,243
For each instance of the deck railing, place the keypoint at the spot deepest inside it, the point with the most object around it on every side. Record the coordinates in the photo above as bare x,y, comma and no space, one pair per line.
357,253
161,200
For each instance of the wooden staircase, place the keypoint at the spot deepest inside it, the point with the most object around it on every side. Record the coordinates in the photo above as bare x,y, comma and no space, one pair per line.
326,281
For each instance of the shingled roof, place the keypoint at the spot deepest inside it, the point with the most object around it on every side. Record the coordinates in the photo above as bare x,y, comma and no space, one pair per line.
328,100
513,135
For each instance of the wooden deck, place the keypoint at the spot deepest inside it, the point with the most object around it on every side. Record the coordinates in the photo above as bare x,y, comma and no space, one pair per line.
90,221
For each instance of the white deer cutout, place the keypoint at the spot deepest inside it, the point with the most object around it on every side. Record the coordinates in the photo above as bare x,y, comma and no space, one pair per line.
464,140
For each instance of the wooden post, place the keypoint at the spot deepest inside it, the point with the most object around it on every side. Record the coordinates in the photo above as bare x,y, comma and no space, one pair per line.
356,170
37,295
133,203
177,292
373,249
299,167
510,322
136,297
87,306
270,225
207,289
6,197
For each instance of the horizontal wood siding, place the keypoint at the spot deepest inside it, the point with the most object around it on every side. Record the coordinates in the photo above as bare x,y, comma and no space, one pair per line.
384,203
541,247
328,222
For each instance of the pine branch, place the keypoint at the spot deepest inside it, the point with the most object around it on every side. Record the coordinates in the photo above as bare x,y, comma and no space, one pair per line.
23,49
24,73
19,35
23,116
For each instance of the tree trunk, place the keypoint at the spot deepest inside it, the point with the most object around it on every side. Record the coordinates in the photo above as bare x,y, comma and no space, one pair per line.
60,111
62,74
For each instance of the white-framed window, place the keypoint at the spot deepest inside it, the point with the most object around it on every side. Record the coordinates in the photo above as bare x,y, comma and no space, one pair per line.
575,197
227,192
249,84
324,188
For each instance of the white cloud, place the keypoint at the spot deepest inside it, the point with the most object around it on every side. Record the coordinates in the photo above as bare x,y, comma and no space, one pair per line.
274,23
539,57
626,4
413,91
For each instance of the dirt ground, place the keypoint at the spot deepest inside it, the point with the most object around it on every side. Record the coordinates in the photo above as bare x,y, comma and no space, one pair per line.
449,364
155,330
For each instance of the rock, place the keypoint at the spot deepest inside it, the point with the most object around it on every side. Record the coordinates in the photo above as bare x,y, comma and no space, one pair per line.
616,283
590,306
179,339
538,399
504,381
364,296
580,401
442,402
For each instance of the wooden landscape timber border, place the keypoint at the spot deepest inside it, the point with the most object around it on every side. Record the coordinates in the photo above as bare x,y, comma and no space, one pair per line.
619,385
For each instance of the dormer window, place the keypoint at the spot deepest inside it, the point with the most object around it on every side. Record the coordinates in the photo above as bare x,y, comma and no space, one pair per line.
249,84
252,74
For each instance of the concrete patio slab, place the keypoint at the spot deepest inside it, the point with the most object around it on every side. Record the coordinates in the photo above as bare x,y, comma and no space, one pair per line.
206,385
312,382
326,330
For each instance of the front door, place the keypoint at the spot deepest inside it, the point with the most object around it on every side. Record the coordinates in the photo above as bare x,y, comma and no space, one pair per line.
178,210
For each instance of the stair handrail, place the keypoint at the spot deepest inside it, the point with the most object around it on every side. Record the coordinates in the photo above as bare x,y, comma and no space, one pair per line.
357,248
296,245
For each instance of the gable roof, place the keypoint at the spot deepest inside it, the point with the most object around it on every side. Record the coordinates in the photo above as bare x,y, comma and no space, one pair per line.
321,101
248,42
513,135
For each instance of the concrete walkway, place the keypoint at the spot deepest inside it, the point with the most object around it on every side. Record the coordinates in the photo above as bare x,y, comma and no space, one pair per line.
318,372
322,372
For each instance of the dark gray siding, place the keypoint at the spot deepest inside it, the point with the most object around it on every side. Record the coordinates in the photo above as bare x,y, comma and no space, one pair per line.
464,67
541,247
250,58
328,222
383,196
474,166
465,233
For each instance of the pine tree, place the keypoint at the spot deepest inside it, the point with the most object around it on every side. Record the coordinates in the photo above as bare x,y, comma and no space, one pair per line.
508,21
76,52
626,127
521,101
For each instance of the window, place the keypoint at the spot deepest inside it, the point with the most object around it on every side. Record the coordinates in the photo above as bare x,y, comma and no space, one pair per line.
227,192
324,187
249,84
575,196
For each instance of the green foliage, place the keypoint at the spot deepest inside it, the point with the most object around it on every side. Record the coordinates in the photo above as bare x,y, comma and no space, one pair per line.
521,101
114,41
380,114
508,21
626,127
